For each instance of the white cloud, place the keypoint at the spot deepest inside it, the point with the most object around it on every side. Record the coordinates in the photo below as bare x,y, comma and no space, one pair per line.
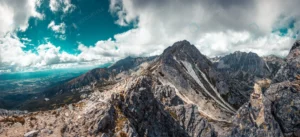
12,54
222,43
60,28
48,56
61,5
54,5
215,27
26,39
14,14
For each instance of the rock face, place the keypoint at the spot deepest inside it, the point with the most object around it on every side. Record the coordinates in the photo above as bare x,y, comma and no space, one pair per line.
192,75
291,68
285,94
255,117
274,64
280,103
148,115
241,70
242,61
179,94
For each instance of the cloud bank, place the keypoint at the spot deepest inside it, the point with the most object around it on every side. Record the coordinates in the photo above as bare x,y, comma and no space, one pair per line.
215,27
14,14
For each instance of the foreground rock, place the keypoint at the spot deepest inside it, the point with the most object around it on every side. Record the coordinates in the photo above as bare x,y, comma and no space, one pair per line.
33,133
278,105
255,117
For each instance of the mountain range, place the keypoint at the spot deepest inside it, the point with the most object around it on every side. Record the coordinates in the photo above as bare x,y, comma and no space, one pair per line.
180,93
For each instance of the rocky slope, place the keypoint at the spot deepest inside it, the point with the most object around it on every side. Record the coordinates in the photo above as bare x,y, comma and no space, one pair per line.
241,70
178,94
274,63
194,78
75,89
274,110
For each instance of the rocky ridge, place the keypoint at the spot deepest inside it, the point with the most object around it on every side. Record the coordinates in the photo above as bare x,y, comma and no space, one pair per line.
181,93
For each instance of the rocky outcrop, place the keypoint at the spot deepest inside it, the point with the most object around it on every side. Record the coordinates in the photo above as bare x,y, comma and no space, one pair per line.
274,64
285,105
255,118
151,118
195,80
241,70
285,94
291,69
279,102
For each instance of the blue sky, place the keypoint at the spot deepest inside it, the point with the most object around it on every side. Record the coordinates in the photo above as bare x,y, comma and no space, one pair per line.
52,34
89,22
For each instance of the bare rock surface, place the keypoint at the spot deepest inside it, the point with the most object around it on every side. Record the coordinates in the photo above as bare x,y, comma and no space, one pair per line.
179,94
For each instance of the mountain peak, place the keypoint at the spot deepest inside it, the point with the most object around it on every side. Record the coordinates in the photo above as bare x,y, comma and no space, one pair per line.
184,50
296,45
243,61
181,46
184,44
295,50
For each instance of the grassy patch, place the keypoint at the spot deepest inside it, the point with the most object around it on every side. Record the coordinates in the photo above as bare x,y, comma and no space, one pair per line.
173,114
120,119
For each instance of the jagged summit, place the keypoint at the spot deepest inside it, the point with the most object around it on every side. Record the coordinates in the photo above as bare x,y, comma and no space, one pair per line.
240,70
296,45
294,52
181,44
194,77
291,69
181,47
242,61
185,51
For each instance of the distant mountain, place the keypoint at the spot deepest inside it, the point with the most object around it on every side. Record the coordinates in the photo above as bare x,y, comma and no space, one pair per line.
246,62
240,71
180,93
129,63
